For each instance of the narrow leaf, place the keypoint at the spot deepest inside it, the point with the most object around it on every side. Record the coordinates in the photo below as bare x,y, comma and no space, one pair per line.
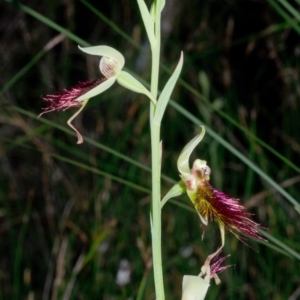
204,83
167,91
147,19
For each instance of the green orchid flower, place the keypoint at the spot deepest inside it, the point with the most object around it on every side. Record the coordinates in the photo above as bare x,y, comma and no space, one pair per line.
111,65
211,204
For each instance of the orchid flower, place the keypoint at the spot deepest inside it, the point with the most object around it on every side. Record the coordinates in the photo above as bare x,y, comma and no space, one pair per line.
210,203
195,287
111,65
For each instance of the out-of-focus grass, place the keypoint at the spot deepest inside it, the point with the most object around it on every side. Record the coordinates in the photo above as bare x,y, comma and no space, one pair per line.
72,216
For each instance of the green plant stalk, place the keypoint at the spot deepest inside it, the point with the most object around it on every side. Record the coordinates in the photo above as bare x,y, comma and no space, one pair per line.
156,211
156,165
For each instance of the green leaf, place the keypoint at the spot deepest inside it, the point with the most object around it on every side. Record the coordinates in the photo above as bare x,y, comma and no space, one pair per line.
128,81
148,21
152,11
167,91
204,83
178,189
94,248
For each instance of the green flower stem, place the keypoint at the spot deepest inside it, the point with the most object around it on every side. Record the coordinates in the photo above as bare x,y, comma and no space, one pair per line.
156,164
156,211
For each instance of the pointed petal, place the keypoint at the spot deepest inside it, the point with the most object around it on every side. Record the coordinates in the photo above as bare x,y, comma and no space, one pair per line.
128,81
183,160
105,51
194,287
79,136
178,189
98,89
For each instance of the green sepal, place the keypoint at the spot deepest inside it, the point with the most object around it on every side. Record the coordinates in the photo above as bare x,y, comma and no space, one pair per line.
178,189
128,81
106,51
103,86
183,160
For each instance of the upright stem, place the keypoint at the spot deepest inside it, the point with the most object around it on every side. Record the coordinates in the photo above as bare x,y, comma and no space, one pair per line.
156,212
156,165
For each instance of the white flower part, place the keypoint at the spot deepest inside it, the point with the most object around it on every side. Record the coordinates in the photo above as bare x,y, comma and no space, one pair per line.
190,181
109,67
194,287
183,160
111,64
201,166
112,61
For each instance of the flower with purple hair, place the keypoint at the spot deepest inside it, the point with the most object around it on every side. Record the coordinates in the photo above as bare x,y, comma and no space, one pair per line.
111,65
195,287
210,203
